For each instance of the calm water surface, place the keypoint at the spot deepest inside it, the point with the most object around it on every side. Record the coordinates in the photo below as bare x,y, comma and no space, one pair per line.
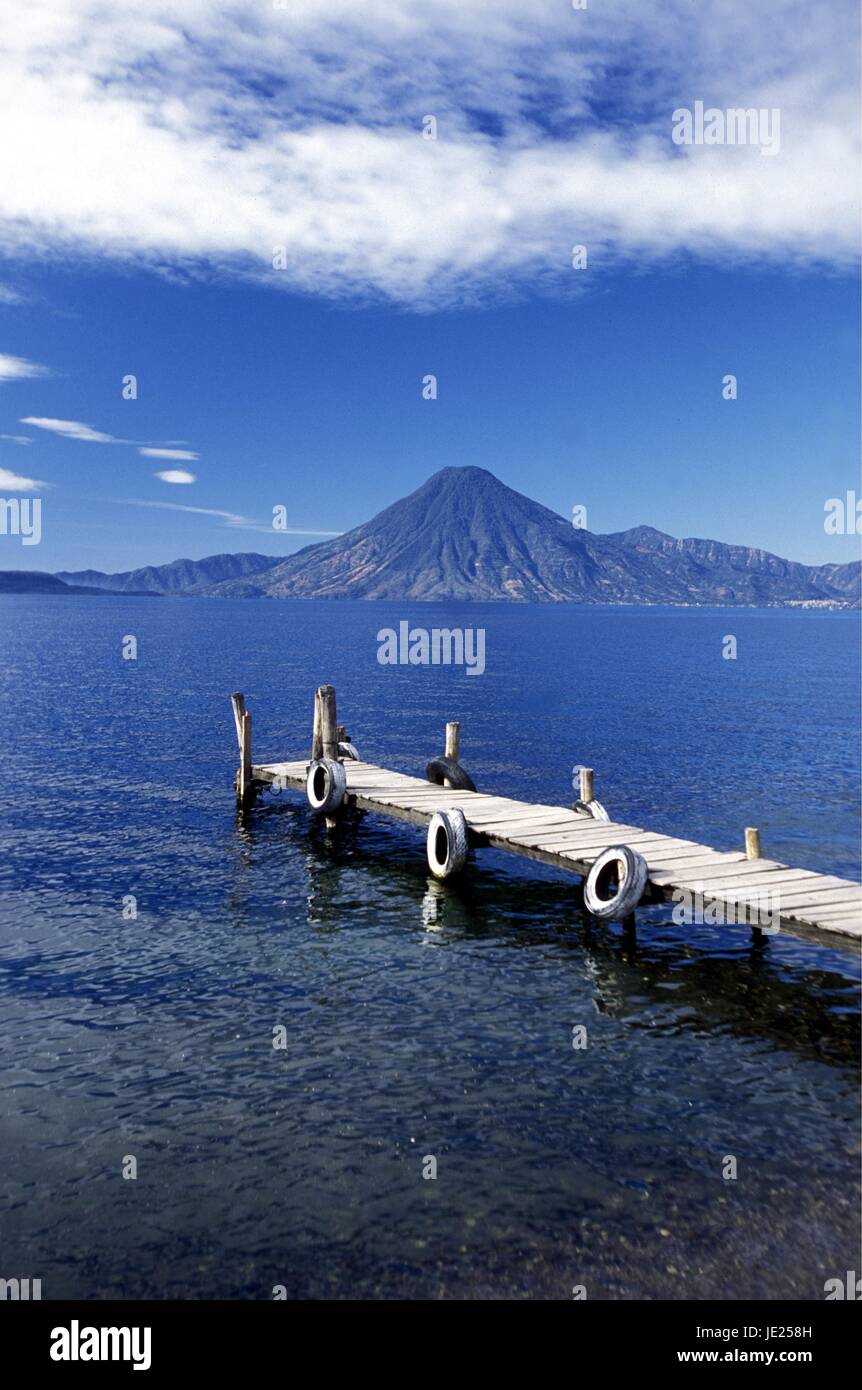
422,1019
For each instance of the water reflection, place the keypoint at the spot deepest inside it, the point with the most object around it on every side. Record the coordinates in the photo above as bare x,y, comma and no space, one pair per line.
704,979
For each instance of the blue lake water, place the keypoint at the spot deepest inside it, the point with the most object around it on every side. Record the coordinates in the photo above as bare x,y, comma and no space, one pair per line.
421,1018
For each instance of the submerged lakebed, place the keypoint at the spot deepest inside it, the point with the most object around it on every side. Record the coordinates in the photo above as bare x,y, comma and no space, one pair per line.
419,1018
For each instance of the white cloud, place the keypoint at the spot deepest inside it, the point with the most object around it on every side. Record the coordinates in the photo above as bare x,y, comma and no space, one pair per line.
230,518
17,438
70,429
10,296
19,368
151,453
176,475
12,482
210,132
243,523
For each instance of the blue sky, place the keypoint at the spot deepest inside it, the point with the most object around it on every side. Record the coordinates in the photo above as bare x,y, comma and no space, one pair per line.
148,181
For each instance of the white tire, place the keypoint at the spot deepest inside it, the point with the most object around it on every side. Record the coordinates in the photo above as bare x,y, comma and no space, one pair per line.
448,843
347,750
325,785
629,870
591,808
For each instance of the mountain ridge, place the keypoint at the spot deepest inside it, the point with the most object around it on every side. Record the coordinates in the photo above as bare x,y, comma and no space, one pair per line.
40,582
178,576
465,535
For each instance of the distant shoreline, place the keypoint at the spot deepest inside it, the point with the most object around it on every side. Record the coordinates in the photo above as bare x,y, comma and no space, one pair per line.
61,590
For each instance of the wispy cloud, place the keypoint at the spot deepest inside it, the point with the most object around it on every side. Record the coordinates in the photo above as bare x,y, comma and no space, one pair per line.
70,429
19,368
17,438
232,519
255,128
77,430
13,482
152,453
10,296
176,475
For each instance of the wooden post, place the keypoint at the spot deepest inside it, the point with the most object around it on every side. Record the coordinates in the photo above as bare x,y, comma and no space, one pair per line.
237,700
586,779
316,739
752,842
243,781
341,734
242,724
328,721
453,741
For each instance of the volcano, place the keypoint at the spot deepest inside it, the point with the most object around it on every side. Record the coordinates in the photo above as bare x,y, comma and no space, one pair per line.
465,535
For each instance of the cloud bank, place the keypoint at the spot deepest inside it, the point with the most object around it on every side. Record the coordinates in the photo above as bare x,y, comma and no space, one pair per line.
226,137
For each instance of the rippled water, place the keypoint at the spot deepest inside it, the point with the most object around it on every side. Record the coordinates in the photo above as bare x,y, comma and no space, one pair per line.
421,1019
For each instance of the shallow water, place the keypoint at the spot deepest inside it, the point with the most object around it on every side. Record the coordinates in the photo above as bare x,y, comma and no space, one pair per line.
421,1019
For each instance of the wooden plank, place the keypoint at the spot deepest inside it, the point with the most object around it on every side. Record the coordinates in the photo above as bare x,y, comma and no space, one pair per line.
847,928
774,903
599,833
832,933
373,777
826,914
599,838
719,881
423,791
824,897
562,843
629,834
584,825
697,857
366,772
806,892
551,828
816,914
642,840
743,869
471,809
665,859
583,829
426,791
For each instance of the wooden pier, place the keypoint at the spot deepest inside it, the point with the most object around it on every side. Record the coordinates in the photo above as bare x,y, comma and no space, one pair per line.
722,884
